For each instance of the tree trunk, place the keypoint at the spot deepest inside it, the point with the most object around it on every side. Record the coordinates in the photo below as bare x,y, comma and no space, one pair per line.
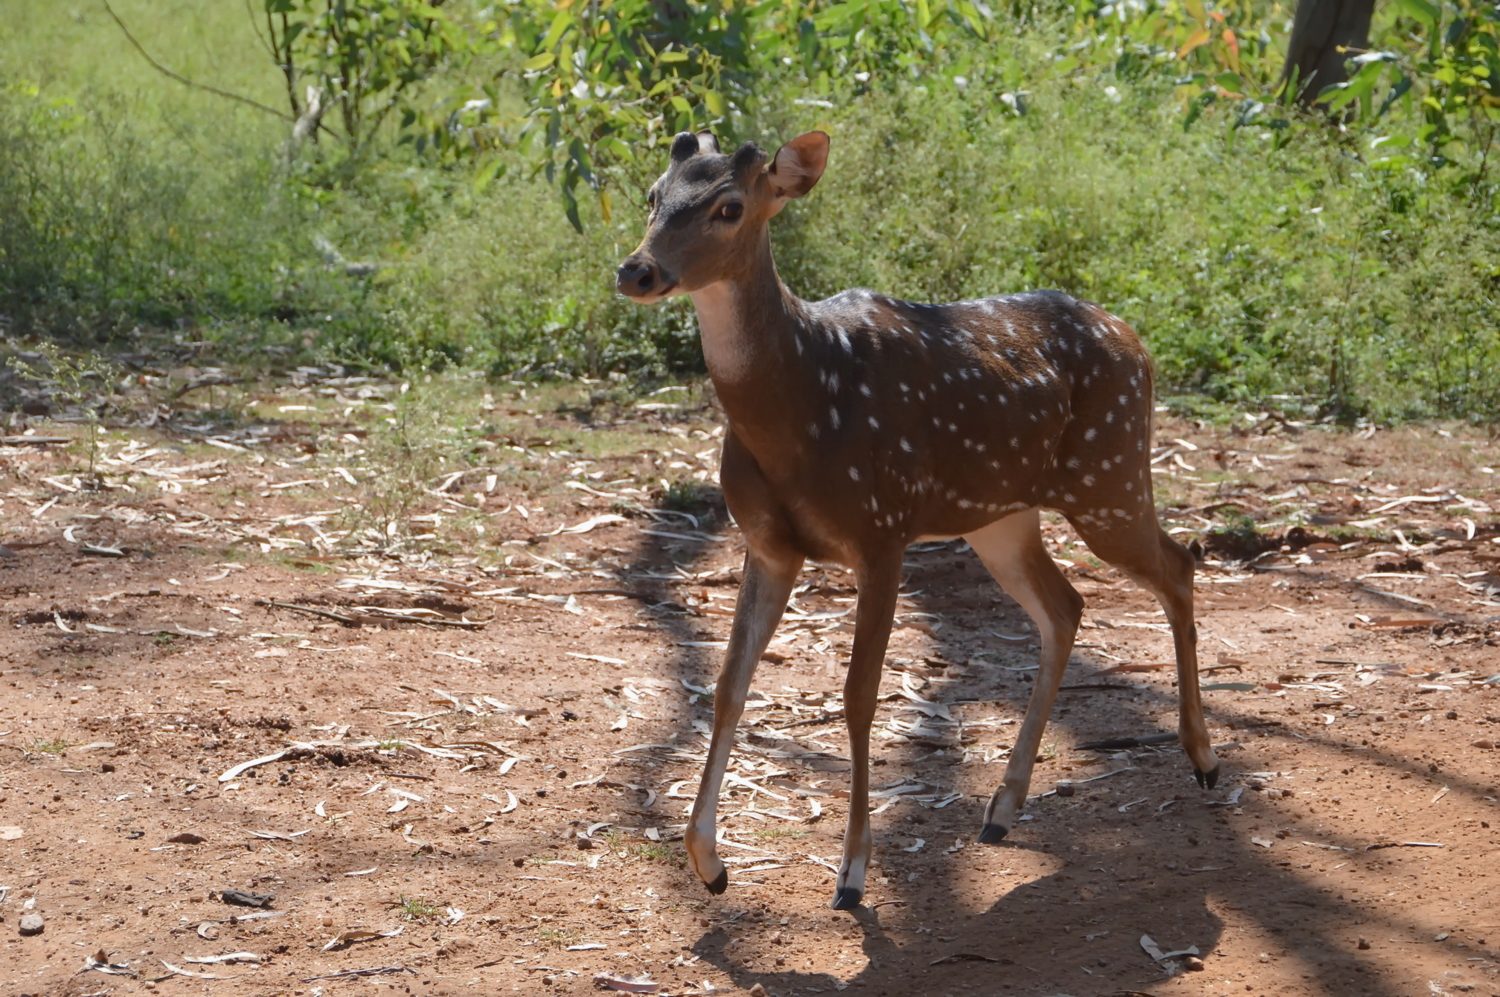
1320,29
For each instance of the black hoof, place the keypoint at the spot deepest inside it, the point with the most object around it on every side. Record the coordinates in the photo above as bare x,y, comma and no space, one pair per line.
720,883
1209,779
847,898
992,834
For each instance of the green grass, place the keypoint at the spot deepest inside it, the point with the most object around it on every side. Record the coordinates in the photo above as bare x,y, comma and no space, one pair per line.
771,833
55,746
418,908
140,210
655,851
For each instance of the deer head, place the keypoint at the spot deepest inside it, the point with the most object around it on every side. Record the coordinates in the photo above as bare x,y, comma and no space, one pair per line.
709,211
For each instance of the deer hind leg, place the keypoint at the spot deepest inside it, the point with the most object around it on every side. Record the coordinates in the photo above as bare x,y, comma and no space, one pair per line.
1143,550
762,599
879,580
1012,550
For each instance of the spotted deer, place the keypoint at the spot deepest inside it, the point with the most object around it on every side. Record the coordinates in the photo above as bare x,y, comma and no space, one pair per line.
862,423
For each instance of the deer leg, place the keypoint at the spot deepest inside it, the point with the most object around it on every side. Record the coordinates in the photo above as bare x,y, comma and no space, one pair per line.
879,581
762,599
1012,550
1174,590
1143,550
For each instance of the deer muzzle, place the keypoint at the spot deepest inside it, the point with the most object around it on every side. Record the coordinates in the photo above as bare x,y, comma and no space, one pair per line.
639,278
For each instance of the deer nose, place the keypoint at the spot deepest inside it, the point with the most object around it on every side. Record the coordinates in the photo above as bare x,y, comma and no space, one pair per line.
635,277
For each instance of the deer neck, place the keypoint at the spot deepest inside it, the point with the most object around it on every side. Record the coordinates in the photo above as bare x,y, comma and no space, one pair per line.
749,324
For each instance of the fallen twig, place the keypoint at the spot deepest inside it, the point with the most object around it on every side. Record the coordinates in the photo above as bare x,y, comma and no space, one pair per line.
1116,743
373,971
347,621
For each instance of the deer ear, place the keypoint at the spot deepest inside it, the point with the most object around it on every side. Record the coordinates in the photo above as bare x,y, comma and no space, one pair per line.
684,147
798,164
707,142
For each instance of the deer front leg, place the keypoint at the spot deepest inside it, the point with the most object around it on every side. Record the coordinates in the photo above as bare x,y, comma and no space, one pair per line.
762,599
879,581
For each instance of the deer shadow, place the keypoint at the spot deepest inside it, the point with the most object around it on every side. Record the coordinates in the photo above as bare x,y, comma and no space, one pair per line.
947,921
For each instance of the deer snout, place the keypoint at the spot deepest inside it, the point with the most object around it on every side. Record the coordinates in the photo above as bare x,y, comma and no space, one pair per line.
637,277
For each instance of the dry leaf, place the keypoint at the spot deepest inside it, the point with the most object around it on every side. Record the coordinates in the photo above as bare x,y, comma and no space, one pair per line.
1142,667
351,935
1155,952
584,527
1399,623
188,972
99,963
627,984
244,767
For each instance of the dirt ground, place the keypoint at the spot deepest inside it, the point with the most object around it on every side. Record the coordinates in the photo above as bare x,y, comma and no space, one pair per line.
472,728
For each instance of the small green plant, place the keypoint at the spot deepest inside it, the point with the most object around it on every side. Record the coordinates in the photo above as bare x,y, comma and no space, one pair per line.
1239,526
82,382
1239,538
56,746
164,640
417,908
410,443
388,744
772,833
656,851
684,496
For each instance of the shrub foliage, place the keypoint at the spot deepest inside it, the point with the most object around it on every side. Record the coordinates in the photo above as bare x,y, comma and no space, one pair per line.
1142,153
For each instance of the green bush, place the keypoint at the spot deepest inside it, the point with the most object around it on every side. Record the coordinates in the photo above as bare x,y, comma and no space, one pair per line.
110,225
1260,254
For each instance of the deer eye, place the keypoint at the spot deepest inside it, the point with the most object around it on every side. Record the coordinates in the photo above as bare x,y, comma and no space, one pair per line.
731,211
651,199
